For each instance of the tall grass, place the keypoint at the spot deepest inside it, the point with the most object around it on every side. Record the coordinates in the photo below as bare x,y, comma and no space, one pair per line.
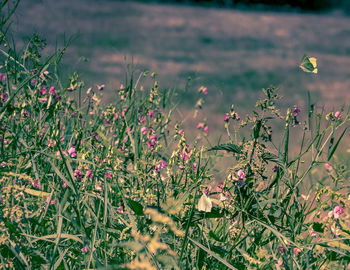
86,185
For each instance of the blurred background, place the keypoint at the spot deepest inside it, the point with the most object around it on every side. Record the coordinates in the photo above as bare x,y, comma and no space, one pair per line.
233,47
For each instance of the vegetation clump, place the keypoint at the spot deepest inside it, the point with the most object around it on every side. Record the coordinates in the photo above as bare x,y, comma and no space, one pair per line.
87,185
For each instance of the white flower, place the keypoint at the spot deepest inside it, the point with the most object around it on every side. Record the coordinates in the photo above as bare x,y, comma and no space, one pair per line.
204,204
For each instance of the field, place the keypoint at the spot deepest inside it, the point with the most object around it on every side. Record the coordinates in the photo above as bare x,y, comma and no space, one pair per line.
106,165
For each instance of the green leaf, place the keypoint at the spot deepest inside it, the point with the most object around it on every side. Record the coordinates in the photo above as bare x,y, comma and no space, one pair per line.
318,227
331,152
37,193
136,207
211,253
230,147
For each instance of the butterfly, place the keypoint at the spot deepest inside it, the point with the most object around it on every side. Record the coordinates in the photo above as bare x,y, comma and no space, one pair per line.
309,64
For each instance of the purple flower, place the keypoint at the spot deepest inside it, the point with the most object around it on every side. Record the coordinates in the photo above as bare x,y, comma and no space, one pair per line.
162,164
77,174
36,183
296,110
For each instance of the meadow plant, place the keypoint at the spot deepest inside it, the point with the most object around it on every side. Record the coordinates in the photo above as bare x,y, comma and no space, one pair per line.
91,185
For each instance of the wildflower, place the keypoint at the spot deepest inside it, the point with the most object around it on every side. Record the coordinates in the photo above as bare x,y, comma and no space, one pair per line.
162,164
51,143
200,125
150,113
72,152
142,119
41,134
296,251
89,174
180,132
43,99
52,91
337,115
100,87
281,249
227,117
108,175
120,209
312,233
241,174
53,202
84,249
152,141
337,212
88,91
77,174
206,129
236,116
144,130
204,204
62,139
3,97
2,77
328,167
98,187
274,168
296,112
26,114
43,91
123,112
64,184
36,183
95,135
205,91
195,166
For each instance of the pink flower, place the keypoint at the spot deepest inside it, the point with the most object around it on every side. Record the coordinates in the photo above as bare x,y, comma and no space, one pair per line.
312,233
77,174
227,117
142,119
296,251
43,91
2,77
53,202
241,174
328,167
162,164
52,91
64,184
120,209
206,129
338,211
100,87
150,113
85,249
144,130
89,174
108,175
200,125
180,132
123,112
337,114
205,91
195,166
72,152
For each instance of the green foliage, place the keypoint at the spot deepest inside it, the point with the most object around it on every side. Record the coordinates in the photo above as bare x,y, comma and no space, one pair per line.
87,185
